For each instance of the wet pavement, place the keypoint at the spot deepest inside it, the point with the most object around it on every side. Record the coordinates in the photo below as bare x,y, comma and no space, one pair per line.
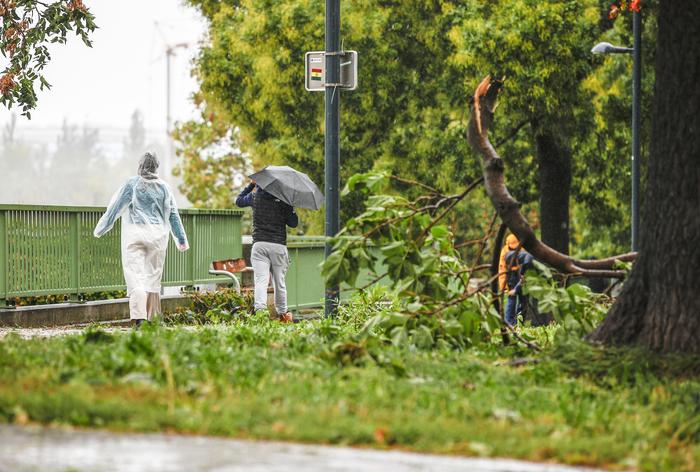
27,448
28,333
48,332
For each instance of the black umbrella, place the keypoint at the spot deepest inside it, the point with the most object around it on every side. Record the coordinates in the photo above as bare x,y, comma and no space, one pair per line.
291,186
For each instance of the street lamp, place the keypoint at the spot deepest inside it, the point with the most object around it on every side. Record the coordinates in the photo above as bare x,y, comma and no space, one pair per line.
636,51
607,48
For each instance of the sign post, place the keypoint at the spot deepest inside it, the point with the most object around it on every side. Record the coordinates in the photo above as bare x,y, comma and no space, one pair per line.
332,142
331,71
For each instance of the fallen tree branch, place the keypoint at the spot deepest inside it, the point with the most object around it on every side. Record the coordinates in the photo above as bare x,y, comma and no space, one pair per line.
480,120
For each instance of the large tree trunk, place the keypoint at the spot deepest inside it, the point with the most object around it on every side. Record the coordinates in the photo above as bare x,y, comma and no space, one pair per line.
659,307
554,172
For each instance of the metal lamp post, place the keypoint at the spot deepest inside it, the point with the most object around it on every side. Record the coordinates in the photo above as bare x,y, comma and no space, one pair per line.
331,71
636,51
332,142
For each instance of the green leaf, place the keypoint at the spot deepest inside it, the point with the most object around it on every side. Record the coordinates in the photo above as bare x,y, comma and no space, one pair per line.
399,336
422,337
439,231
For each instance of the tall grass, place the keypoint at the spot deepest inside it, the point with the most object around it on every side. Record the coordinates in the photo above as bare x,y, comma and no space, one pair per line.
327,381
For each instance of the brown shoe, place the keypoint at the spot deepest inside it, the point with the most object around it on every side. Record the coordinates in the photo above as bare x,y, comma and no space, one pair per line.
287,318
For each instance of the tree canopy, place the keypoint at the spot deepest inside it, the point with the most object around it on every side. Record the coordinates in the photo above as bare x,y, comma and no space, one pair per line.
419,60
28,28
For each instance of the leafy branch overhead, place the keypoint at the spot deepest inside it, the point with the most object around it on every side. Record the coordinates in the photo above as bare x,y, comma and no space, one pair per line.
28,28
621,6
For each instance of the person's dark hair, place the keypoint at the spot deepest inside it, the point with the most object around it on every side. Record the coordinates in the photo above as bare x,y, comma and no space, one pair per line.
148,166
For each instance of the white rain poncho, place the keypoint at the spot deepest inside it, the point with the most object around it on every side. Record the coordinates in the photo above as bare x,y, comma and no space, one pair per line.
149,214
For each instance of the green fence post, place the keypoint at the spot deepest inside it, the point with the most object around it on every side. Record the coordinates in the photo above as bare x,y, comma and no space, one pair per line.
75,256
193,247
3,260
296,279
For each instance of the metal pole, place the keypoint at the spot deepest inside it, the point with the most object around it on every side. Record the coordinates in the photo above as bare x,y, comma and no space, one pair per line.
168,118
332,145
636,105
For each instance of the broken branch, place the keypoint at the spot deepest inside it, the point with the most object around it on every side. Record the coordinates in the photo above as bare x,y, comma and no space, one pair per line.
481,119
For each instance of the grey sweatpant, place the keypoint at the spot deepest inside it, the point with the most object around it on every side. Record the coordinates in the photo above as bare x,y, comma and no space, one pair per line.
270,258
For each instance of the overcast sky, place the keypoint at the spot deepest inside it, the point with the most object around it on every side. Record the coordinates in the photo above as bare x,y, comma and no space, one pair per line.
123,71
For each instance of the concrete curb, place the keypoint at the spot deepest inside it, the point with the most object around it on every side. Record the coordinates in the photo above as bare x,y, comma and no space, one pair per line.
40,316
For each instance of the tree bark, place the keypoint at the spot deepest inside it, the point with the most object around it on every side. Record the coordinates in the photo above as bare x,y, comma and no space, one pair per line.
659,306
554,175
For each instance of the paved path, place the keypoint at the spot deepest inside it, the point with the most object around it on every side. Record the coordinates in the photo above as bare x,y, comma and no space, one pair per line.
108,326
28,333
24,449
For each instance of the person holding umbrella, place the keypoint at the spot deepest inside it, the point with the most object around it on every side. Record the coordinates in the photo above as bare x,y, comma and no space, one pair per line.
273,193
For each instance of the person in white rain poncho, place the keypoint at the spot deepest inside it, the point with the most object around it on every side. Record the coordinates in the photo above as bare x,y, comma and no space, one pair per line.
149,215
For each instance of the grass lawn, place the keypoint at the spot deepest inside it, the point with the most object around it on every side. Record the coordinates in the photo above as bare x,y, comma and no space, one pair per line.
314,382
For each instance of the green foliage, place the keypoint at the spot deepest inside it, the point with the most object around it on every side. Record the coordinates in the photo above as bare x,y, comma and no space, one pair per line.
543,50
51,299
419,64
317,382
220,306
406,117
28,27
437,299
210,161
406,243
575,307
602,176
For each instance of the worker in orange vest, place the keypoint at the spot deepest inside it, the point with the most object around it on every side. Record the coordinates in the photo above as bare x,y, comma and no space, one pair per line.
511,244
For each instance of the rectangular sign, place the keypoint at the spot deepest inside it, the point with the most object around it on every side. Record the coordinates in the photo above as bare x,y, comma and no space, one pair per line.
315,70
348,70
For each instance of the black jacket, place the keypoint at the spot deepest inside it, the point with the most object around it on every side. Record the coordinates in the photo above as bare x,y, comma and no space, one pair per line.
271,216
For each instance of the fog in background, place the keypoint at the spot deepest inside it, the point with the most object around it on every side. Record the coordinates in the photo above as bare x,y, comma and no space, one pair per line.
107,105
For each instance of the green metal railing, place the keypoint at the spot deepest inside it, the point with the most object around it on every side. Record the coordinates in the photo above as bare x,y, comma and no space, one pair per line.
305,285
50,250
